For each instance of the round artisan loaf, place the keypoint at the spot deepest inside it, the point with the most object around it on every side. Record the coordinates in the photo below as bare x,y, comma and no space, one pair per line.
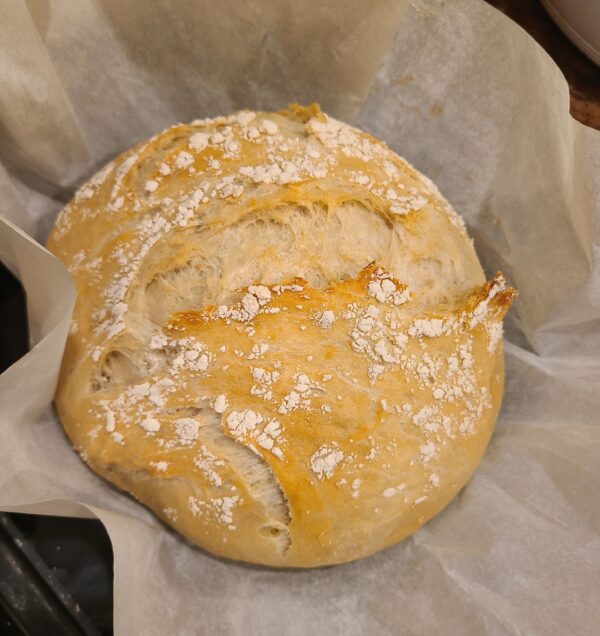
283,342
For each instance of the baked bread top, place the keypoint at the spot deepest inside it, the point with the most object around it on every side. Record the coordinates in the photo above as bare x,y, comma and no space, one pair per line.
283,341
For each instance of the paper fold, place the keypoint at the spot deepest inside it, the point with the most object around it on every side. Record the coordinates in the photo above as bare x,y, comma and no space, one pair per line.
468,98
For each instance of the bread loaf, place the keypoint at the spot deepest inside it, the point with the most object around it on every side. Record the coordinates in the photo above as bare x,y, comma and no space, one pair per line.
283,342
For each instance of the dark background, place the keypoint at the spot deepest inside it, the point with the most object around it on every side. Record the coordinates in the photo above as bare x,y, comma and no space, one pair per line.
582,74
55,573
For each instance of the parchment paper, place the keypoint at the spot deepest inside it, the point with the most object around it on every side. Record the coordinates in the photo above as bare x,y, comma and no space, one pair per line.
473,102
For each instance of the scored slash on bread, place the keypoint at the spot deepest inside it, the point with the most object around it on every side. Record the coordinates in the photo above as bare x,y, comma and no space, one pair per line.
283,343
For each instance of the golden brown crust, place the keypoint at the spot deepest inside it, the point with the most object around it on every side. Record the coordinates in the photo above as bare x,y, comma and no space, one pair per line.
243,361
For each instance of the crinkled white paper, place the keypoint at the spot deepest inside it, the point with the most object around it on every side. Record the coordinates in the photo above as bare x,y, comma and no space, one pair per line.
474,103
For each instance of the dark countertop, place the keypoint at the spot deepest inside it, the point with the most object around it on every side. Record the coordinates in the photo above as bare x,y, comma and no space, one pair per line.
582,74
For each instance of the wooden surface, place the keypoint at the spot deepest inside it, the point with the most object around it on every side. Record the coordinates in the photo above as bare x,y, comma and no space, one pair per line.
582,74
